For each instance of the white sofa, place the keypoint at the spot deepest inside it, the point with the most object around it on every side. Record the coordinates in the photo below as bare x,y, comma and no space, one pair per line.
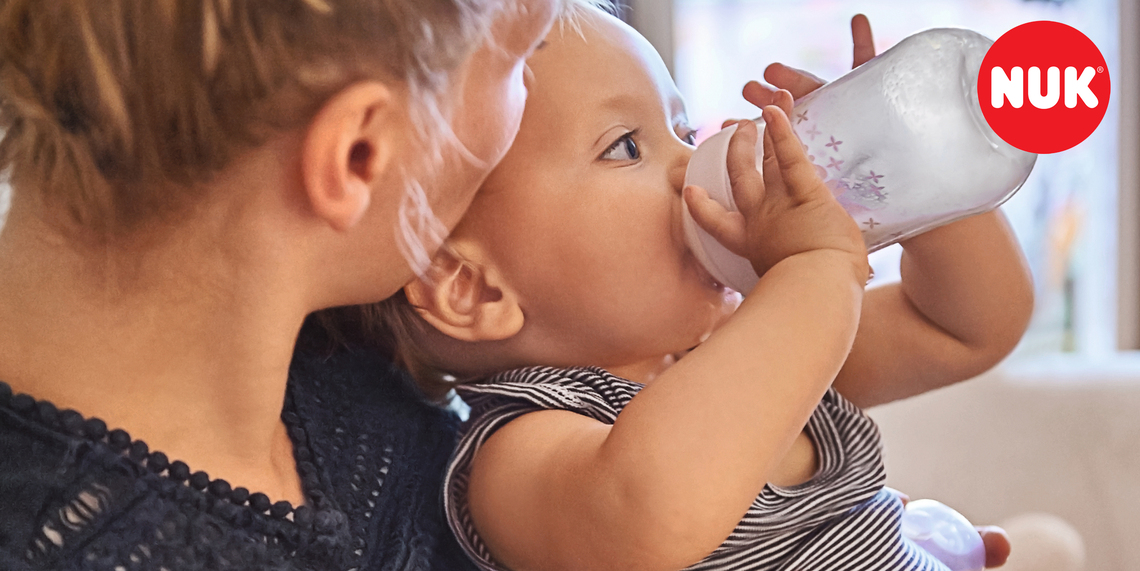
1055,435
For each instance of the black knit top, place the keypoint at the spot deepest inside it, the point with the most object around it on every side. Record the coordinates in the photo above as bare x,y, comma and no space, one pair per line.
76,494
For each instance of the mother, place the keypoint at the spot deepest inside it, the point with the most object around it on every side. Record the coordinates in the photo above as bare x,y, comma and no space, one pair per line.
190,179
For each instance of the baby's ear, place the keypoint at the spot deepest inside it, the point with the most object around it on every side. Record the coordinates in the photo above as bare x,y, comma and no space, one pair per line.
465,297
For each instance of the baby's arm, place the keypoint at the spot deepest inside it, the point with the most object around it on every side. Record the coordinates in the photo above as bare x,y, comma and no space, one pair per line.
670,480
965,299
966,294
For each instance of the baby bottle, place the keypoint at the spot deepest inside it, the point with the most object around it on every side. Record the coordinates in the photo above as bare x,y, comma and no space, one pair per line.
945,534
900,141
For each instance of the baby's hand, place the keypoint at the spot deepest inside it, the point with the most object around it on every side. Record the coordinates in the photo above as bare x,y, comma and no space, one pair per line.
784,212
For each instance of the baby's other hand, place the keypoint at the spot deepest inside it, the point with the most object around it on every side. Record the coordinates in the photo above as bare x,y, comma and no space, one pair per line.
799,82
790,82
763,96
785,211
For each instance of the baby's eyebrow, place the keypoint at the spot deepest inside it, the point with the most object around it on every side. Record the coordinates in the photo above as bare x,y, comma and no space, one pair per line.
623,102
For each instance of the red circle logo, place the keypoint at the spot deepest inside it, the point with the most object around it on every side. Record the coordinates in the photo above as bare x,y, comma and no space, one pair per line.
1043,87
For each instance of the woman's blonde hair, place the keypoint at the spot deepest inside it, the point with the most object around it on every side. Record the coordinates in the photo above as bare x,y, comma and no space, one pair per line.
393,327
108,105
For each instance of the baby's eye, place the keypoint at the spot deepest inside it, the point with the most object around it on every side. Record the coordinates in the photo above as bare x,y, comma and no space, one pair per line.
623,149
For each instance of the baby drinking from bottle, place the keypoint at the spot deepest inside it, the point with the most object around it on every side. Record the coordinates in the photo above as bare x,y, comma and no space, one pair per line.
562,302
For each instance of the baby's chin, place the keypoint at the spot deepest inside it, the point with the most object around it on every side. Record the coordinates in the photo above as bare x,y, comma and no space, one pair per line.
724,299
719,310
651,368
682,340
644,371
725,302
730,300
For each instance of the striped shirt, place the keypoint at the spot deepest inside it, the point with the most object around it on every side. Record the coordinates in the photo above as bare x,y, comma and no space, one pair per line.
841,519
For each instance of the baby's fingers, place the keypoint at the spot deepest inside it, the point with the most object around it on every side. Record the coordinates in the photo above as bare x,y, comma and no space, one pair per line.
997,545
797,81
747,184
762,96
783,100
799,175
862,40
724,226
770,169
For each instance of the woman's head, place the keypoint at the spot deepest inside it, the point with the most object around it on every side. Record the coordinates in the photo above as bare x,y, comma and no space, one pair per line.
119,112
572,252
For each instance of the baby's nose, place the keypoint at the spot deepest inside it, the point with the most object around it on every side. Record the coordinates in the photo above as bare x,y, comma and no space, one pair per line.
677,169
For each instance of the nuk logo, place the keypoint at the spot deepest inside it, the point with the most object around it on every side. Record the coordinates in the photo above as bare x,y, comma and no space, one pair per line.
1043,87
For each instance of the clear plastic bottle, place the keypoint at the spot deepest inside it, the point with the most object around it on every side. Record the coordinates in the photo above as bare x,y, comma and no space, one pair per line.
945,534
900,141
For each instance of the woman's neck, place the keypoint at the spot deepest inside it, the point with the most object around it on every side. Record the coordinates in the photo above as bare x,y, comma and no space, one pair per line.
185,344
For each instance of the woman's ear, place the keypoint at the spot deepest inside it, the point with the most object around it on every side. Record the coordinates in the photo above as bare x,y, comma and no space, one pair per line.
348,146
466,298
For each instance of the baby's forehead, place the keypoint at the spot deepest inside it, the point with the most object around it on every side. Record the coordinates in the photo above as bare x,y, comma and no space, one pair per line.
597,53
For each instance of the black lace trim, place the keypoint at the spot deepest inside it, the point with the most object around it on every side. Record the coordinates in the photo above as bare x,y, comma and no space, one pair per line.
175,480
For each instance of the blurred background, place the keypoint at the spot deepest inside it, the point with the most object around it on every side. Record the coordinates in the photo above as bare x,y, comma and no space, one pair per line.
1049,442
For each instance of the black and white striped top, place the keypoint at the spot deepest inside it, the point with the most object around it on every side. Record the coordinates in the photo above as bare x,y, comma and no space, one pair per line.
841,519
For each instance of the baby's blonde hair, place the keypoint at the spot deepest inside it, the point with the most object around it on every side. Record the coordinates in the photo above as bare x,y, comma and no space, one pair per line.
393,327
113,110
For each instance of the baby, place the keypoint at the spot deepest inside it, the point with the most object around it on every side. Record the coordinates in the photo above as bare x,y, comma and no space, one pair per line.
565,296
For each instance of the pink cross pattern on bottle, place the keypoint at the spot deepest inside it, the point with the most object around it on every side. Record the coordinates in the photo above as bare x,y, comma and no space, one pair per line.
813,132
873,177
834,164
834,144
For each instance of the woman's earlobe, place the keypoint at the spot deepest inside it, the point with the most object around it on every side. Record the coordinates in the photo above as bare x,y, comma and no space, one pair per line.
349,145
